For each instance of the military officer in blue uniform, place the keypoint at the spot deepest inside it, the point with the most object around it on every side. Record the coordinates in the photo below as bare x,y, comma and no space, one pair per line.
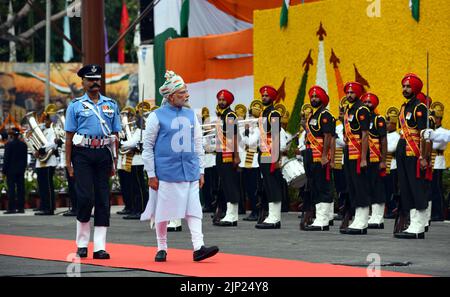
92,125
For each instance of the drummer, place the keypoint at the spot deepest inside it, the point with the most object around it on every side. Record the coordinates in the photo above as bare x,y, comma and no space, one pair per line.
320,128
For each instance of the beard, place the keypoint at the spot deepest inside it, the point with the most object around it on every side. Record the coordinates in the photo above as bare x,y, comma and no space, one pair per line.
408,95
316,104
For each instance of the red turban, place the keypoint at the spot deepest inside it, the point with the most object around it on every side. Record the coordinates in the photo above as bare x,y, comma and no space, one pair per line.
423,99
270,91
227,95
373,99
356,87
414,81
321,93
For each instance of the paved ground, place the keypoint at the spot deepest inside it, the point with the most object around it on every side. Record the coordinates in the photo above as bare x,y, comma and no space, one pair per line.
430,256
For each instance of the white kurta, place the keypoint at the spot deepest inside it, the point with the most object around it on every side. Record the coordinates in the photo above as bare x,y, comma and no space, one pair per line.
173,200
132,143
392,141
49,134
442,135
439,162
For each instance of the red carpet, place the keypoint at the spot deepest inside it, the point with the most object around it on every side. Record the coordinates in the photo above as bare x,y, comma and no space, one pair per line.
179,261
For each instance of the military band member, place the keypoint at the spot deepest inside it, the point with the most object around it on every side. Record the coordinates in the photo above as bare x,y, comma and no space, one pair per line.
211,177
139,180
437,209
46,169
227,157
356,125
124,162
376,167
269,157
391,178
249,160
92,125
320,128
343,201
285,139
412,159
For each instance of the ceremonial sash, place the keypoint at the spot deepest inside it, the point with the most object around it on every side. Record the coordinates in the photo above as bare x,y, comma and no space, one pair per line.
249,155
354,144
338,156
315,143
374,147
223,145
411,136
389,157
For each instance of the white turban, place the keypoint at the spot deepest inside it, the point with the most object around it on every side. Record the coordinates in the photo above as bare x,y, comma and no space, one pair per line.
172,84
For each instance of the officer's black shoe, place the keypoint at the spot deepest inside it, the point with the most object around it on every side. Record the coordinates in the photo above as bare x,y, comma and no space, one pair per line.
205,253
263,225
225,224
124,212
331,222
70,213
10,211
174,229
251,218
317,228
101,255
82,252
407,235
376,226
133,216
44,213
161,256
352,231
21,211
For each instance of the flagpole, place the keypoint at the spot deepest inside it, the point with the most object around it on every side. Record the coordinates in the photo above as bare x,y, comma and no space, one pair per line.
47,52
428,99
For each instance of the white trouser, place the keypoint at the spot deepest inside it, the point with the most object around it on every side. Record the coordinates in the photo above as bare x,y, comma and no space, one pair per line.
83,234
100,238
361,218
274,213
195,226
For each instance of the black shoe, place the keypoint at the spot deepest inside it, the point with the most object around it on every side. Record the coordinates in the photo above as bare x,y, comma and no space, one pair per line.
20,211
407,235
352,231
205,253
317,228
70,213
225,224
44,213
82,252
101,255
426,228
37,209
376,226
11,211
251,218
124,212
174,229
134,216
161,256
331,222
263,225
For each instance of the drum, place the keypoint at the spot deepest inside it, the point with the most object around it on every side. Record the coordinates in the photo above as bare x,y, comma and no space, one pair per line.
294,173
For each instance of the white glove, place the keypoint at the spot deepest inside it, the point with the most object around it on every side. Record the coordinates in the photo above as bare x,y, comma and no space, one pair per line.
426,134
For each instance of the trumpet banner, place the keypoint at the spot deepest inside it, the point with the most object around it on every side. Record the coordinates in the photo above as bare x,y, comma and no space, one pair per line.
382,47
